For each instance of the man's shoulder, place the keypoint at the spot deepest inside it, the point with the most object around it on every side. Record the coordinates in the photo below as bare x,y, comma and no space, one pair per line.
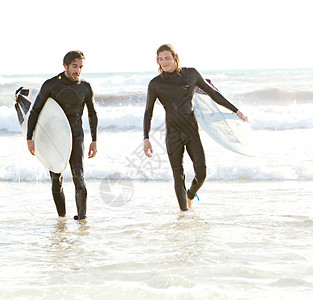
52,79
50,82
192,73
85,82
155,80
190,70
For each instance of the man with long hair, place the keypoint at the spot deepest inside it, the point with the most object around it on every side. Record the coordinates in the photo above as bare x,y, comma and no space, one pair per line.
175,88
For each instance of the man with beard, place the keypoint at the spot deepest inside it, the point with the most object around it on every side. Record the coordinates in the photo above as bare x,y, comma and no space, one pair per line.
72,94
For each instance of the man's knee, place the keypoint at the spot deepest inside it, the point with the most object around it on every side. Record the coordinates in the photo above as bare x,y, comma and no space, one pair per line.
78,178
178,174
57,180
201,173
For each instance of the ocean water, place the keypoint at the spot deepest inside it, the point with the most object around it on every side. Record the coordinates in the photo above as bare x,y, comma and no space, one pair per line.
249,236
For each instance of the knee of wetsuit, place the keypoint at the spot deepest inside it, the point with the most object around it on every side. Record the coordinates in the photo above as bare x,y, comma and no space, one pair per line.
178,171
179,179
201,174
57,180
78,178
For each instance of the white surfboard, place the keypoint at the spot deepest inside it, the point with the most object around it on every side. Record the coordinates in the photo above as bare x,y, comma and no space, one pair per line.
227,129
52,136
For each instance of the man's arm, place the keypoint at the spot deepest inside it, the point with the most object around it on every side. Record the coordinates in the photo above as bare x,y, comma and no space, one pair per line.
151,98
214,94
93,123
217,97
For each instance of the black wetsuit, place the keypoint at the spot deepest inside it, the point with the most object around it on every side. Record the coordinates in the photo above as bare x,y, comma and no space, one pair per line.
72,97
175,92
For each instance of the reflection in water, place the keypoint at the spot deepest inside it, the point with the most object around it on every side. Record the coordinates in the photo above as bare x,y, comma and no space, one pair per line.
59,234
67,244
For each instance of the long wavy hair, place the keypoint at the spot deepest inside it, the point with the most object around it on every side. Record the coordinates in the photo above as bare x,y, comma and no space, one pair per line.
168,47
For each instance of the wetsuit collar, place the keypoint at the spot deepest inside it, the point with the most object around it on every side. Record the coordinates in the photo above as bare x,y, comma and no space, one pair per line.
172,74
66,80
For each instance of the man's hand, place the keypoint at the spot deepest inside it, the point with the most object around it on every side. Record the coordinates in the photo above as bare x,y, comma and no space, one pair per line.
92,149
242,116
31,146
147,148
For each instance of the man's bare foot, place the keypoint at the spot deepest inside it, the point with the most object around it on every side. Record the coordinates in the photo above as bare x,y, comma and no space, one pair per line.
189,203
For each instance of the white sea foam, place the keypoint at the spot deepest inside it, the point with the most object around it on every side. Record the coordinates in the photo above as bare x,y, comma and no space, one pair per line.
282,155
130,117
280,117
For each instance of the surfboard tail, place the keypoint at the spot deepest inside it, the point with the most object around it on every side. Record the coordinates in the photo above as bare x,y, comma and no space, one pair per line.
22,101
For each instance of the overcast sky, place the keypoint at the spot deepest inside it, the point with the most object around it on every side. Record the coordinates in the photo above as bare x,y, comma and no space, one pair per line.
123,35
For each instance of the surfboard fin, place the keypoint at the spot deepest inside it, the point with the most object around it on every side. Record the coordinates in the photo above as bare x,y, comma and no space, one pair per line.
19,113
20,98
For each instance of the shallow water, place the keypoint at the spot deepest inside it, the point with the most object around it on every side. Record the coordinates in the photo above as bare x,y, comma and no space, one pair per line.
249,237
243,240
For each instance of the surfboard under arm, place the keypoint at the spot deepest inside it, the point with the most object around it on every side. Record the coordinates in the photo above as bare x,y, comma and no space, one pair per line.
52,135
227,129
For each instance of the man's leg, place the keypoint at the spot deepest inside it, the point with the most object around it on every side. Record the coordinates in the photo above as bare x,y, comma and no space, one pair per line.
76,162
58,194
196,153
175,151
80,192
